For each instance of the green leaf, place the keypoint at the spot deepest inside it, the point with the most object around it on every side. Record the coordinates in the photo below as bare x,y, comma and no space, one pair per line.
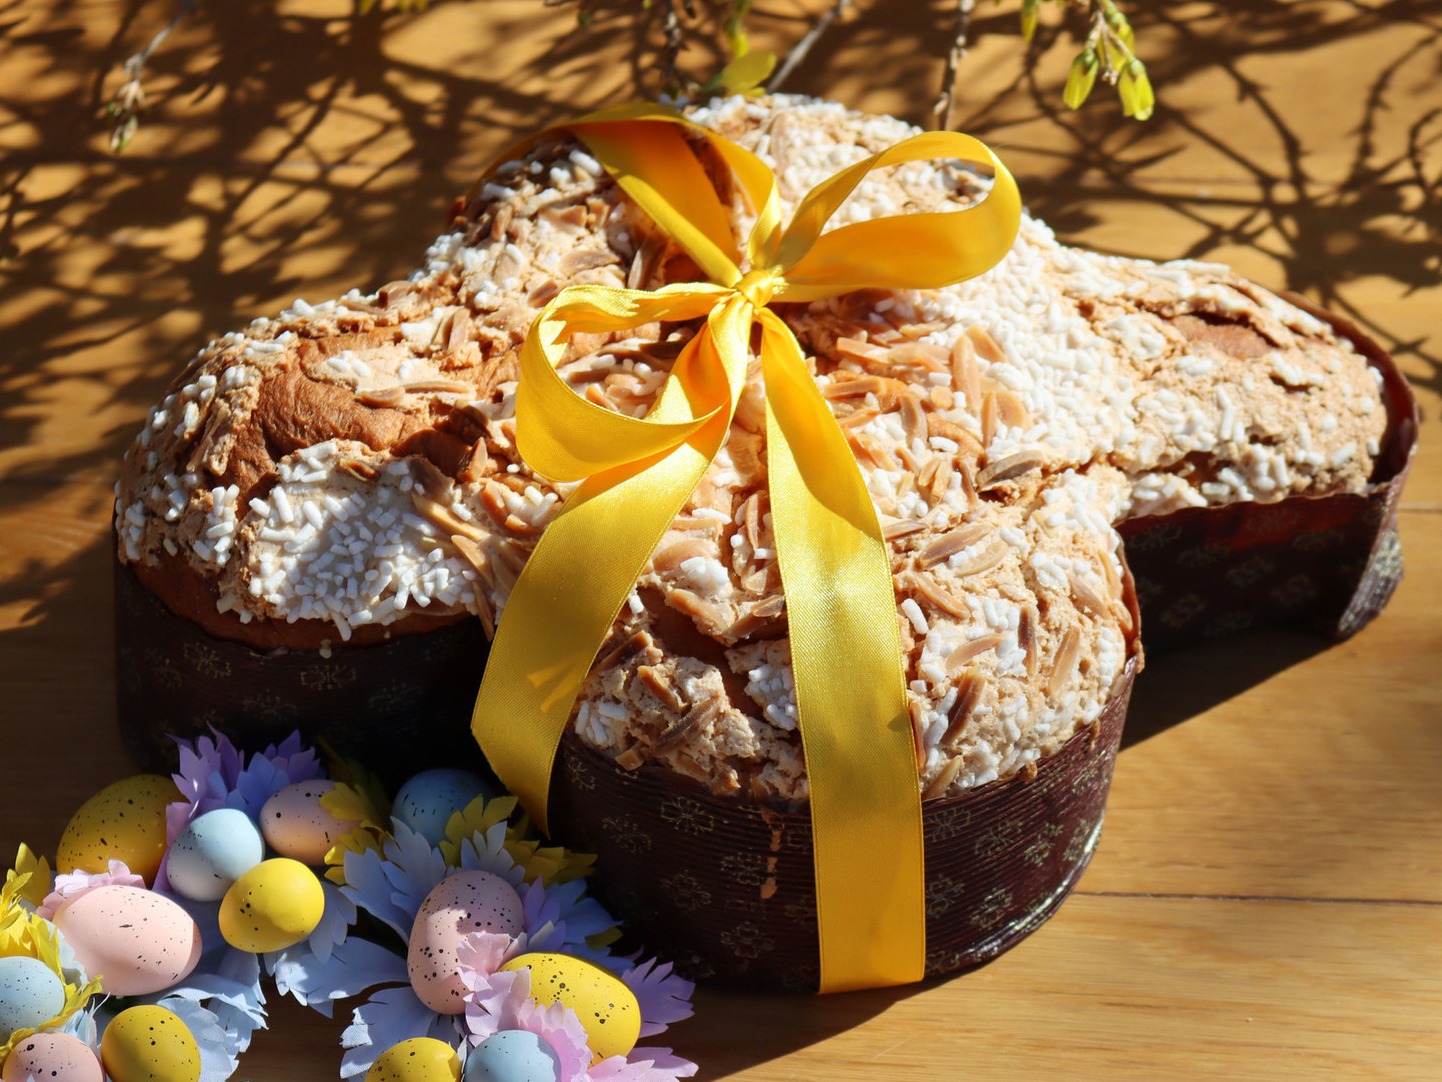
747,72
1080,81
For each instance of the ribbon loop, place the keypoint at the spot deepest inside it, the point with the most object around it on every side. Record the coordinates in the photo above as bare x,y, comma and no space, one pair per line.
638,473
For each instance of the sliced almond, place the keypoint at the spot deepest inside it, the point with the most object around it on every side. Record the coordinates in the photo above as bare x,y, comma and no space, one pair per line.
913,464
657,684
916,709
986,346
942,398
984,560
770,607
382,397
579,259
942,482
1063,665
1011,411
952,542
752,518
930,589
1026,637
913,417
631,759
444,518
893,531
543,293
876,451
694,720
1087,597
973,649
865,352
942,782
965,374
988,418
966,443
1004,469
457,329
921,355
927,473
853,387
439,386
921,330
857,418
969,687
362,471
670,557
968,484
632,646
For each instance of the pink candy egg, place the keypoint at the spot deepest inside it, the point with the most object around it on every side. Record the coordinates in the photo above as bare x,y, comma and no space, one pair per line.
134,940
295,824
53,1057
459,905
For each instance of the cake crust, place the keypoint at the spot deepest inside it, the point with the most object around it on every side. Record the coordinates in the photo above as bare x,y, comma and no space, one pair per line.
348,471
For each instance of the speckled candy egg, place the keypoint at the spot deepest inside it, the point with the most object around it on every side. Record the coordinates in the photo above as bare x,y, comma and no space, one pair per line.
30,994
427,802
513,1055
419,1059
273,906
149,1044
606,1008
124,821
296,825
52,1057
458,905
134,940
211,853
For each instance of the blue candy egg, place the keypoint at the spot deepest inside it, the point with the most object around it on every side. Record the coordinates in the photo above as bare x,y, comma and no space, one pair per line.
212,852
427,802
30,994
513,1055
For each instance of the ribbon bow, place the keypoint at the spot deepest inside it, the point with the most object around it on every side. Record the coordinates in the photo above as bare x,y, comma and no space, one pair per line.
636,475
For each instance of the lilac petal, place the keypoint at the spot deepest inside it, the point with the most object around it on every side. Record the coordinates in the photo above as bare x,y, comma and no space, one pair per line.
369,889
353,967
643,1065
413,869
663,996
390,1016
219,1054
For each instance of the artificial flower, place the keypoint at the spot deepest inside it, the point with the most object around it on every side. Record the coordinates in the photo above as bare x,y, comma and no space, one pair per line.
25,934
391,883
70,886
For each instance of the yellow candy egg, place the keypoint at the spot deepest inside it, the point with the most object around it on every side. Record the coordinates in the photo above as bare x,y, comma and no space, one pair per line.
605,1007
419,1059
124,821
149,1044
273,906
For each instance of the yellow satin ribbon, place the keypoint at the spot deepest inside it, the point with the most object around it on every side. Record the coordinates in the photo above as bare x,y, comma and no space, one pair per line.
637,474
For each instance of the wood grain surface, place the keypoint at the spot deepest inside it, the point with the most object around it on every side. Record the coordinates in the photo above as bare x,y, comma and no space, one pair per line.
1267,898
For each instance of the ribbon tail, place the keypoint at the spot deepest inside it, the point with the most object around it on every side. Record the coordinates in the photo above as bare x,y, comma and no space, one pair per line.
857,737
584,567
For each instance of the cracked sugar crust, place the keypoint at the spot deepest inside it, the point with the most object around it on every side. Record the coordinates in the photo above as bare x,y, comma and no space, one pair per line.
348,470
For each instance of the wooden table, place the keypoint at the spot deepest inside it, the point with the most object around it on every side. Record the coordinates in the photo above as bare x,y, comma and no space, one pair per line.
1267,899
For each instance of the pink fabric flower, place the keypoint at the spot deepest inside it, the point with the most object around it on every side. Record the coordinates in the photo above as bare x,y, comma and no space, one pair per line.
500,1001
70,886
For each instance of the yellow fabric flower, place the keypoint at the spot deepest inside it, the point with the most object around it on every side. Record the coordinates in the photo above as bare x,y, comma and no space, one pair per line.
23,934
548,863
